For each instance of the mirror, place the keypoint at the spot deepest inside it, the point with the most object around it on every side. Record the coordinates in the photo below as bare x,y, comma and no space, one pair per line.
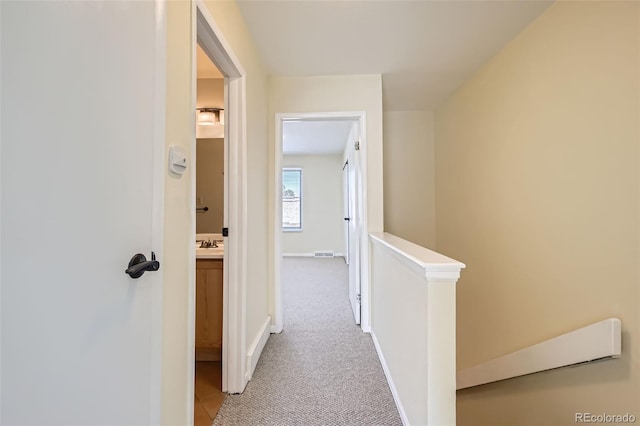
209,149
209,185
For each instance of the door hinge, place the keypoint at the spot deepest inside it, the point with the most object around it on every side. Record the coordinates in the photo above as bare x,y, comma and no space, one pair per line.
358,299
357,145
225,232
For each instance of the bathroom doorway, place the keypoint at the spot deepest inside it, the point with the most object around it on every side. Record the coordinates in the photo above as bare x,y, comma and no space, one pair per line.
209,38
210,207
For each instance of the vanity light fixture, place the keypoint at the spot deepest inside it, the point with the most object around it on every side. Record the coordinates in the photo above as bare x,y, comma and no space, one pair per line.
210,116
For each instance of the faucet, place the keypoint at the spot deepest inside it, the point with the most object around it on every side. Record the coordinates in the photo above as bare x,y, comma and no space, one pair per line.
208,244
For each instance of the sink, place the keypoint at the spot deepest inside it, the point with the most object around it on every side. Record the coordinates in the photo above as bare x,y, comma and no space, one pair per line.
210,252
219,244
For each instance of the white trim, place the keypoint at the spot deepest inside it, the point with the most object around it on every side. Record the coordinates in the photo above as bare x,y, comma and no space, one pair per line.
365,264
360,116
210,37
278,314
1,226
236,244
601,340
256,348
346,195
157,220
191,277
392,386
215,45
434,266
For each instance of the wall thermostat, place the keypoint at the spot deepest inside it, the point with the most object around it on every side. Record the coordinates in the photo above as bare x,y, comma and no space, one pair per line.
177,160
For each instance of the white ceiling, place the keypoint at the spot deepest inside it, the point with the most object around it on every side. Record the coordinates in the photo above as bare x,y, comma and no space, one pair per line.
423,49
315,137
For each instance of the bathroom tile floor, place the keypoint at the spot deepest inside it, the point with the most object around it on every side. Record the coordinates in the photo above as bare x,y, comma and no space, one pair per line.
208,392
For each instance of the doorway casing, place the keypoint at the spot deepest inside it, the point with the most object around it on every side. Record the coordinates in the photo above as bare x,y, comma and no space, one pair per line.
360,117
210,38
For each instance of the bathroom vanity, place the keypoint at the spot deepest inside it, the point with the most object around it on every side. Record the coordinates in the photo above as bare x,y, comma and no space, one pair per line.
209,273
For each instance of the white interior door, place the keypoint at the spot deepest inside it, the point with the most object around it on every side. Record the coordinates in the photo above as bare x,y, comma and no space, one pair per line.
82,109
346,209
354,223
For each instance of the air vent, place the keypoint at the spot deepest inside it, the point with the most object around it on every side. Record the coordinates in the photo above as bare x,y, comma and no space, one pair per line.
323,254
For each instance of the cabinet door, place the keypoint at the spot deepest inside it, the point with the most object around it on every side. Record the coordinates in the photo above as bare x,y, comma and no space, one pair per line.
208,310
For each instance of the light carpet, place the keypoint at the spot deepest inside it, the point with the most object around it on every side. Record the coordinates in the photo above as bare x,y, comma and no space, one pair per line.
322,369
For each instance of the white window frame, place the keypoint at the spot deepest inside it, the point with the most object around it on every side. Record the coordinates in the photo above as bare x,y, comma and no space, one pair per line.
291,229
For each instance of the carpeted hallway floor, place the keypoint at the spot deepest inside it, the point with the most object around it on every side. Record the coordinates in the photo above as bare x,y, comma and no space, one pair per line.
321,370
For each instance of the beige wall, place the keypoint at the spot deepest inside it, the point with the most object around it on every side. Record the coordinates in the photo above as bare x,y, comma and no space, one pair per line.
322,205
179,269
210,185
210,93
179,272
409,176
537,191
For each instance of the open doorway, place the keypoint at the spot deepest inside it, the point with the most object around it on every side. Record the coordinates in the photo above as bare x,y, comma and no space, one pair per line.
320,209
231,239
210,196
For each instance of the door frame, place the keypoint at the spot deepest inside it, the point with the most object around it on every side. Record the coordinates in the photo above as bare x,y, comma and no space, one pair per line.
360,117
209,36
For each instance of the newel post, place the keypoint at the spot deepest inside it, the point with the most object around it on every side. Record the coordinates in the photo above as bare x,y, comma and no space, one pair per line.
441,346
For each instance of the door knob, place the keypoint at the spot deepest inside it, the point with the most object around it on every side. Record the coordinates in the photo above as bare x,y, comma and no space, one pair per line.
139,264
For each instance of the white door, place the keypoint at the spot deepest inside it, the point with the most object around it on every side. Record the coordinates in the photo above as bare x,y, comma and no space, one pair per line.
346,208
354,222
81,114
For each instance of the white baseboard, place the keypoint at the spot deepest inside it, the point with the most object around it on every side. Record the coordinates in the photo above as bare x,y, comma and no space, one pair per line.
308,255
394,392
253,355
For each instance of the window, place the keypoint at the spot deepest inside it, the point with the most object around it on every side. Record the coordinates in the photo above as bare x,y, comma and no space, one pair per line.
291,199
